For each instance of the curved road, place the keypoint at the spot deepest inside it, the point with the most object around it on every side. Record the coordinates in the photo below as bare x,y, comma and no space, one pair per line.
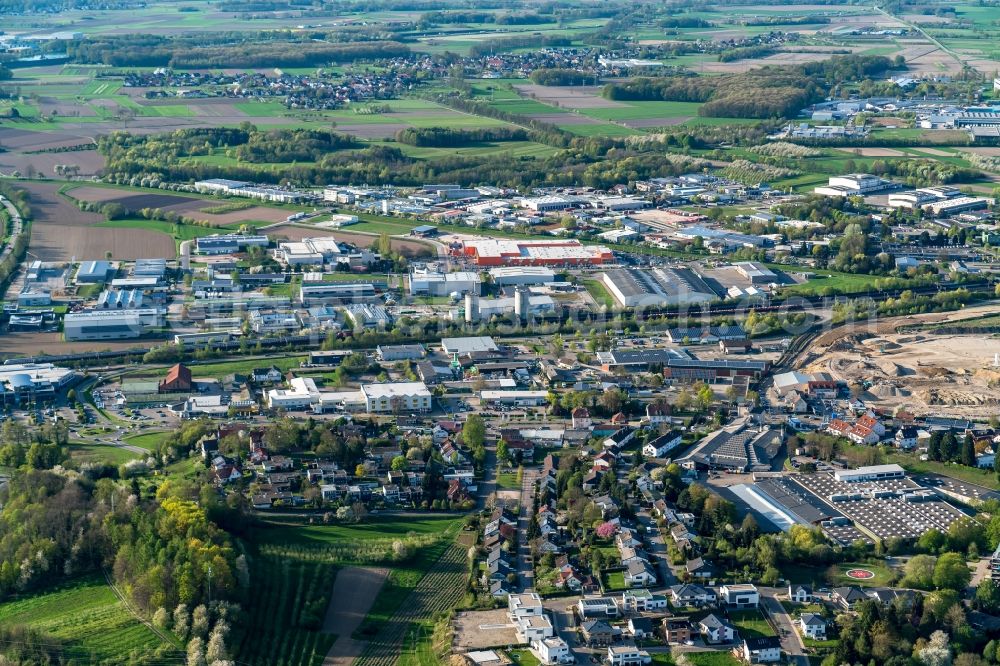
17,225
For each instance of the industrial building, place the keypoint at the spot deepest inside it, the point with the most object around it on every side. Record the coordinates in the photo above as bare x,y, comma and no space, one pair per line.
957,205
756,273
373,398
712,370
510,276
855,184
120,299
514,398
94,272
656,287
365,315
154,268
500,252
228,243
872,473
639,359
20,382
389,353
111,324
429,282
737,447
336,292
470,345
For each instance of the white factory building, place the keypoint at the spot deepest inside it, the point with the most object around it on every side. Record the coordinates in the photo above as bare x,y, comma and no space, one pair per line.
511,276
111,324
855,184
396,397
23,381
430,282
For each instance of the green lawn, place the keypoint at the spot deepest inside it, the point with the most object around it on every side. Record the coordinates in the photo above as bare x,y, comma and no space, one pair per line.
86,615
102,453
523,657
616,581
373,528
751,624
507,481
599,292
148,440
836,574
243,366
712,659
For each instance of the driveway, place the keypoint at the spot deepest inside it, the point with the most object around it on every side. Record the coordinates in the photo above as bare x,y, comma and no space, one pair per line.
791,642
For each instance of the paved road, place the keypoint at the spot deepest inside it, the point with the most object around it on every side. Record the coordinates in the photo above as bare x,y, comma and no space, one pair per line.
16,226
354,592
525,568
791,642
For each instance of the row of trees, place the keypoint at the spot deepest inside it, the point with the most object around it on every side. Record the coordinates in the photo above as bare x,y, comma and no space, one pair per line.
449,137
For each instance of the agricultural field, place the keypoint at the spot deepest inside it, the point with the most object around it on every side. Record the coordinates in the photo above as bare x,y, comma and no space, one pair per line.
87,618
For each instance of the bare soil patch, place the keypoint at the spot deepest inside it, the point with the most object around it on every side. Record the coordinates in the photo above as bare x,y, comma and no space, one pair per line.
25,343
354,591
188,206
578,97
477,630
62,232
564,119
873,152
90,162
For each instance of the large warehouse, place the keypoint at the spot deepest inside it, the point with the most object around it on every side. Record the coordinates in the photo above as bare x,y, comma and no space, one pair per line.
505,252
656,287
433,283
111,324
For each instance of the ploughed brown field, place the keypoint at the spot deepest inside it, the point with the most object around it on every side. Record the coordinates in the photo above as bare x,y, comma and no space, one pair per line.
61,231
188,206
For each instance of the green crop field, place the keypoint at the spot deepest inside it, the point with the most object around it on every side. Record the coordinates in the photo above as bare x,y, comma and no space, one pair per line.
644,110
243,366
86,616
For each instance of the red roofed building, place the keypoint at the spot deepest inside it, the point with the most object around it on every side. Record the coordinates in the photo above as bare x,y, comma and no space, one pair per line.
178,379
556,252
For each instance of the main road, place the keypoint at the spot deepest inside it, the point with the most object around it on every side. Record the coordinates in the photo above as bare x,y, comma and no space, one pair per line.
17,225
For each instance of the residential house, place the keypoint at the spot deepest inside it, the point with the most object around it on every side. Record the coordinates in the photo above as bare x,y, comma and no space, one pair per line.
269,375
642,601
715,630
662,445
676,630
906,438
657,413
639,573
596,633
624,655
596,607
553,650
761,650
534,628
698,568
581,418
847,597
526,604
691,595
640,627
743,595
800,594
813,626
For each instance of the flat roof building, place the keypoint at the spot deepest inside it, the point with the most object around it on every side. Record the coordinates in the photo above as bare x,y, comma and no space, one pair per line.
94,272
871,473
397,397
340,292
508,276
756,273
20,381
500,252
656,287
468,345
430,282
110,324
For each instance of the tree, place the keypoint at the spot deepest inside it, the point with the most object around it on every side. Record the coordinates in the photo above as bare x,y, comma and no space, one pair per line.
399,463
951,572
196,652
920,572
612,400
359,470
937,652
503,452
968,457
474,431
988,596
161,618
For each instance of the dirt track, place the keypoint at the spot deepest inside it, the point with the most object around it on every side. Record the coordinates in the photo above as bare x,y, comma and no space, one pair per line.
354,592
